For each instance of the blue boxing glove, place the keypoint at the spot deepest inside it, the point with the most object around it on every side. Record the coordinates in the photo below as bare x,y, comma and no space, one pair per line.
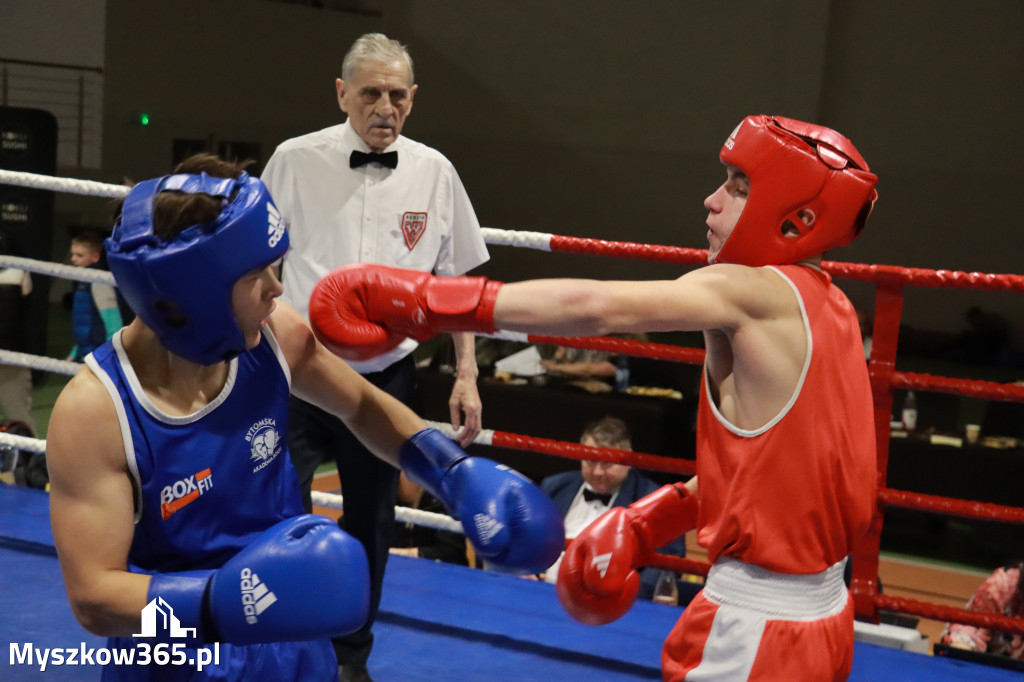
304,578
510,521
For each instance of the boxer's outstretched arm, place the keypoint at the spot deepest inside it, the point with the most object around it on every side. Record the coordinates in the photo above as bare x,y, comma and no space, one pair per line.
361,308
716,297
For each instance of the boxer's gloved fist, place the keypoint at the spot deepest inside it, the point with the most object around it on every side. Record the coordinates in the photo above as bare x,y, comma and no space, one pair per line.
360,311
597,579
304,578
512,524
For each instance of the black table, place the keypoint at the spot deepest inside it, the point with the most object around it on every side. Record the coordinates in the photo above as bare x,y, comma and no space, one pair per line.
659,426
970,472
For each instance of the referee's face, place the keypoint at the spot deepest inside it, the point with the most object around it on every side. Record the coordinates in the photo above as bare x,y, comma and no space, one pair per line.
377,100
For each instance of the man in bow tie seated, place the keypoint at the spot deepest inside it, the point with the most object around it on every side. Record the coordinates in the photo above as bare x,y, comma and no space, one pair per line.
361,192
583,495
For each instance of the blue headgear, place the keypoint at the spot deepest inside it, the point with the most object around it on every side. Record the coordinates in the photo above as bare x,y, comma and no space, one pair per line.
182,288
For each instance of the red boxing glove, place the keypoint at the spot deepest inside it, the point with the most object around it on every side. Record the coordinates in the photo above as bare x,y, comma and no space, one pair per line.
360,311
597,580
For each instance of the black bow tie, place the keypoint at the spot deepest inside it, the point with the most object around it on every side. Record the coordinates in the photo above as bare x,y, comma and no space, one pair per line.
387,159
591,495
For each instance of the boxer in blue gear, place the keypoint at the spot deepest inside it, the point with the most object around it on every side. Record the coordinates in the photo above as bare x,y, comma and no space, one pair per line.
170,478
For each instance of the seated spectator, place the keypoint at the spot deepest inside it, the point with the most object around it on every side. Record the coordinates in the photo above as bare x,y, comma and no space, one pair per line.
596,487
581,363
1002,593
419,541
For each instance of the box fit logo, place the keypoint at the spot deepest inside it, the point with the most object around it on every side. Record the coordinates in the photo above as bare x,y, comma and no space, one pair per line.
256,597
183,492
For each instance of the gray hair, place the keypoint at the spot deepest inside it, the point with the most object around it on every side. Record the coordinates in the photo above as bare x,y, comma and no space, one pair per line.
609,432
374,47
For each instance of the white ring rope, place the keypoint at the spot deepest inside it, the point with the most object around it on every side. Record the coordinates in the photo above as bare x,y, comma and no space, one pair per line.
23,443
492,235
70,185
8,357
57,270
521,239
402,514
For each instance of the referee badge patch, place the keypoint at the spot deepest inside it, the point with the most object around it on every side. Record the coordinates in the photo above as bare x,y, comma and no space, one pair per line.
413,226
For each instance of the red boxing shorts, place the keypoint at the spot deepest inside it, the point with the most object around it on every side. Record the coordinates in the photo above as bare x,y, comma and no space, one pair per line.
753,624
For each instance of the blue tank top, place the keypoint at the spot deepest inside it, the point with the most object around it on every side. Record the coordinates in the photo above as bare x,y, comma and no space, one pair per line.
207,483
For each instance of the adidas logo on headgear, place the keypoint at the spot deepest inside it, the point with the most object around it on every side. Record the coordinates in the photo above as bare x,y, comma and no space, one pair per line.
275,227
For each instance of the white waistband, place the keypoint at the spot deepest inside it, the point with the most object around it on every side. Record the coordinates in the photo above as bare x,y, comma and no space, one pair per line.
781,596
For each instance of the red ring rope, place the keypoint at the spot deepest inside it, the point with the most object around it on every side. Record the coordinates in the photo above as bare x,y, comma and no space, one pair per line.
889,281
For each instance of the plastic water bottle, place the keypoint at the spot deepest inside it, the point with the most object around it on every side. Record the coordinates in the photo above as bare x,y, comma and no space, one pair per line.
622,374
909,416
665,591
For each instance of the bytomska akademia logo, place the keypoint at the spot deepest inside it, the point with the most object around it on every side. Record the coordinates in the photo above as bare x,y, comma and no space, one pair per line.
265,442
180,493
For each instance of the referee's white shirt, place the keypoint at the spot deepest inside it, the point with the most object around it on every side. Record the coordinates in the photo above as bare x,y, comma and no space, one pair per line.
338,215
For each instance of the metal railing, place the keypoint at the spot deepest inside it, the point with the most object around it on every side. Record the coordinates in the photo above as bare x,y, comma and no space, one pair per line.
72,93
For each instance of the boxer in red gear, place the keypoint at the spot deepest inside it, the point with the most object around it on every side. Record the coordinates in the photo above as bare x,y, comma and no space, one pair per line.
785,440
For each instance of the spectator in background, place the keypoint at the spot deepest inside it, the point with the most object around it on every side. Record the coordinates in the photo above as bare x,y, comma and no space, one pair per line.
95,312
15,382
581,363
588,368
420,541
1002,593
585,494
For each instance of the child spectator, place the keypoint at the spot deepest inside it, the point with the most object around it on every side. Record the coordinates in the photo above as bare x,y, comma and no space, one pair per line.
95,314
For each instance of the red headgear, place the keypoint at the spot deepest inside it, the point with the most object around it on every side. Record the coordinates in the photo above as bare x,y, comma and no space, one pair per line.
792,166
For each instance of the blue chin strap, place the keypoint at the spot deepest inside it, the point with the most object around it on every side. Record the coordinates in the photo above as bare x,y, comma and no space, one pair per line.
181,288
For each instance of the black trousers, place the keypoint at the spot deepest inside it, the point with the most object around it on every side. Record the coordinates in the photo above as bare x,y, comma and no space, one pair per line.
369,486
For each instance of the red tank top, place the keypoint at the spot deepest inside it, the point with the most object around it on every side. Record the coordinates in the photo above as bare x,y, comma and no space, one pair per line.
795,495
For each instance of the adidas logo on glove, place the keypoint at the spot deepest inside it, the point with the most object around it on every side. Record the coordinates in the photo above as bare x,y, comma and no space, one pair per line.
487,527
256,596
601,563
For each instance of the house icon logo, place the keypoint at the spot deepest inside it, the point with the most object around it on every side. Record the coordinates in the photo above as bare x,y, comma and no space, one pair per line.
159,609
